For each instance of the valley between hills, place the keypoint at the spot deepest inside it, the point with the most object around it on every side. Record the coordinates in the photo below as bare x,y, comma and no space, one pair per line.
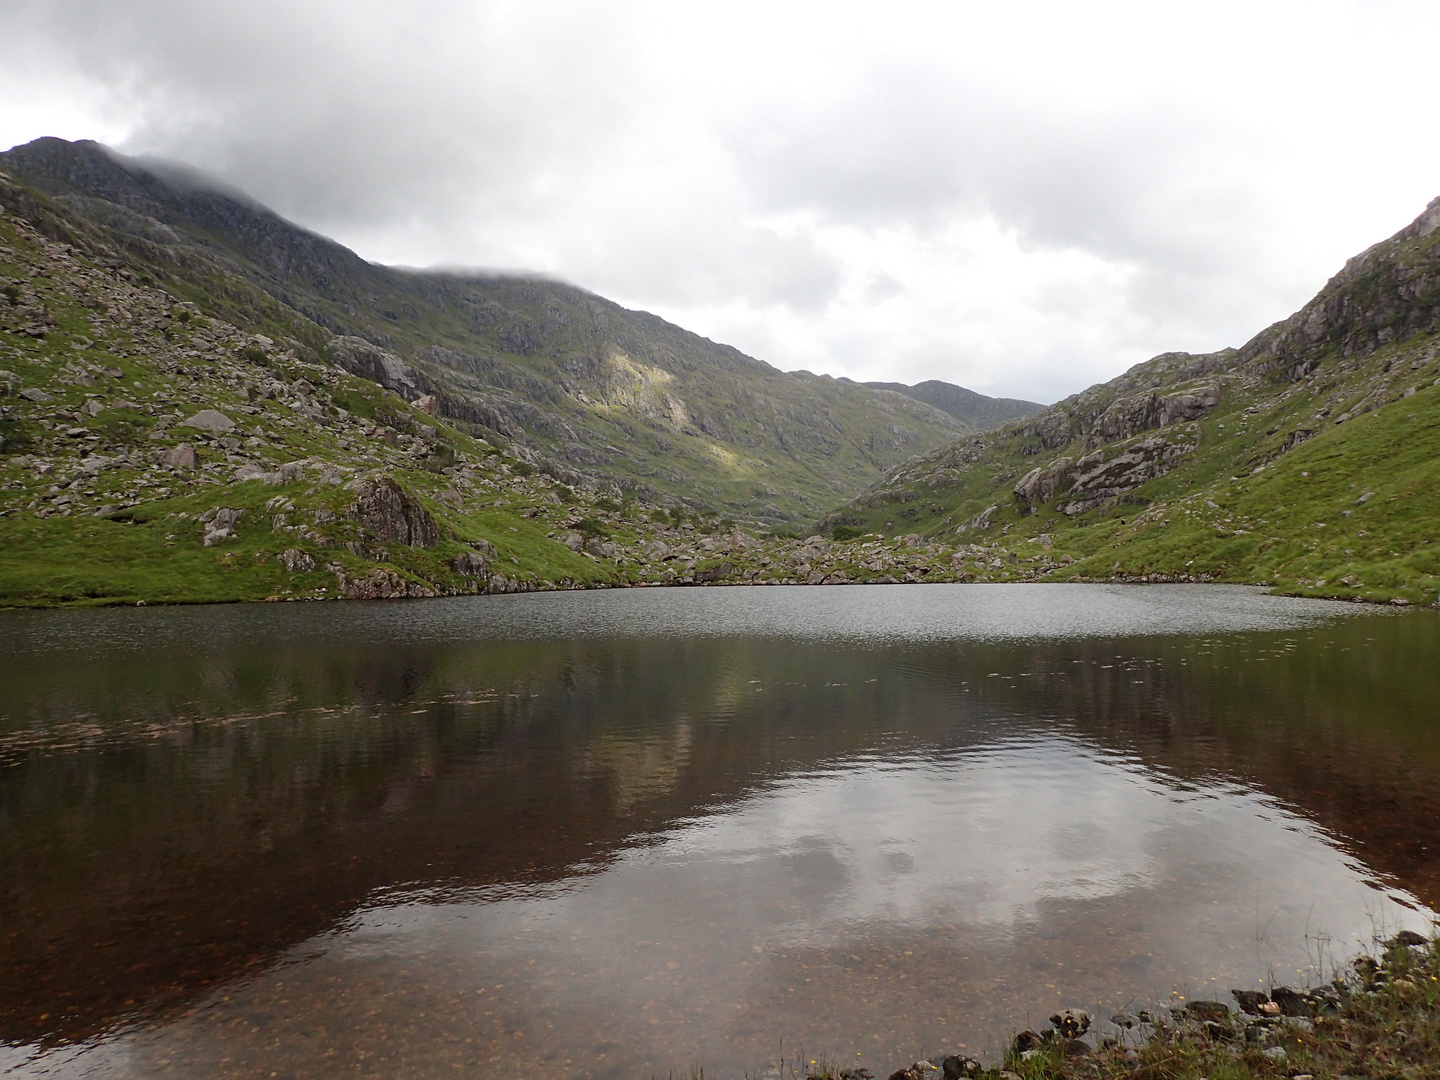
202,402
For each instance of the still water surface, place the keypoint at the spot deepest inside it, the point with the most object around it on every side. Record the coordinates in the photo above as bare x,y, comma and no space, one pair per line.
610,834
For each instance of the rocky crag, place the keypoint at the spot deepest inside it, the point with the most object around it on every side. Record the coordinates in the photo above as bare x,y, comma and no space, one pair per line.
1308,459
597,393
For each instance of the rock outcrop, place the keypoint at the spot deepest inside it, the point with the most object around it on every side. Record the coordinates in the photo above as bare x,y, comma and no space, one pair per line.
1127,417
379,584
219,524
1093,481
360,357
392,515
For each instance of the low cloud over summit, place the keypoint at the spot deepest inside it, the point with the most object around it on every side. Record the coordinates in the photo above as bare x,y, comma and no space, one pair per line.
1022,202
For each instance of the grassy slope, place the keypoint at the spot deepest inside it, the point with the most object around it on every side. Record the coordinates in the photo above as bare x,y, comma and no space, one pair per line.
1295,525
1317,472
602,391
148,548
1252,502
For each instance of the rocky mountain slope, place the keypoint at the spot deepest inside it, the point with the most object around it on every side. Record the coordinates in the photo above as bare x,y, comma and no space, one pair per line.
1308,459
150,452
582,388
976,410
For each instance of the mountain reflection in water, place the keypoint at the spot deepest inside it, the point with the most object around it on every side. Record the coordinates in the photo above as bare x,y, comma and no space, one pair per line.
624,832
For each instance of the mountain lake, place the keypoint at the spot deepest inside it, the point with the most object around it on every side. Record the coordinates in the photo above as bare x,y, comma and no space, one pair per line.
632,833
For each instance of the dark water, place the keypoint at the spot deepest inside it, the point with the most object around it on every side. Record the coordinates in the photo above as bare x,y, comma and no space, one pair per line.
611,834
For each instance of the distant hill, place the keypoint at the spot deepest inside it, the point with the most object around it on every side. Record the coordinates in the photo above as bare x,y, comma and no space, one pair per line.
1308,458
586,388
976,410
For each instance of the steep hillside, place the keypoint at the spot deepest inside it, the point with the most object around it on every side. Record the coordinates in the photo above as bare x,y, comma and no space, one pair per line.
582,388
150,452
1309,458
976,410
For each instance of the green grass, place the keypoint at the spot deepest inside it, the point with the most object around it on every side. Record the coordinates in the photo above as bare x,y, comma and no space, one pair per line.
1297,524
612,393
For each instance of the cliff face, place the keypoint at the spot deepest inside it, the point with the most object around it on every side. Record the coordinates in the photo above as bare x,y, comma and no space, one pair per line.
1390,292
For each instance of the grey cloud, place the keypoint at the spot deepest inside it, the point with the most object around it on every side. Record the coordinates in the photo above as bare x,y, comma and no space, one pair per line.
691,259
447,123
914,149
565,137
345,114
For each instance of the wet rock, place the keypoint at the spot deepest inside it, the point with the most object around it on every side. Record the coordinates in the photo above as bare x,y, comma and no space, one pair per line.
1405,938
182,457
1290,1001
1213,1011
715,573
296,561
1027,1040
1250,1000
955,1066
919,1070
499,583
210,420
392,514
1075,1048
1071,1023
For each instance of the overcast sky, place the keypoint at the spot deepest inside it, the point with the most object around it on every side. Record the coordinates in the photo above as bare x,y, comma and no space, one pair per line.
1021,198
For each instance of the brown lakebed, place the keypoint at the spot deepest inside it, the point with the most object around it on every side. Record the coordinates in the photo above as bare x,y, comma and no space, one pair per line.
616,833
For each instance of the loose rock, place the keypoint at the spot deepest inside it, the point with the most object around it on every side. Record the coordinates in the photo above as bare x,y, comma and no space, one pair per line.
211,420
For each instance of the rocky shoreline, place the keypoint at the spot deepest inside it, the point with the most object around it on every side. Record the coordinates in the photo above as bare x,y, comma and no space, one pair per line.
1380,1017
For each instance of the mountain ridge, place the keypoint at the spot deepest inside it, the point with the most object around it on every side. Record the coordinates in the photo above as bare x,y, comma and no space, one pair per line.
169,432
965,405
589,388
